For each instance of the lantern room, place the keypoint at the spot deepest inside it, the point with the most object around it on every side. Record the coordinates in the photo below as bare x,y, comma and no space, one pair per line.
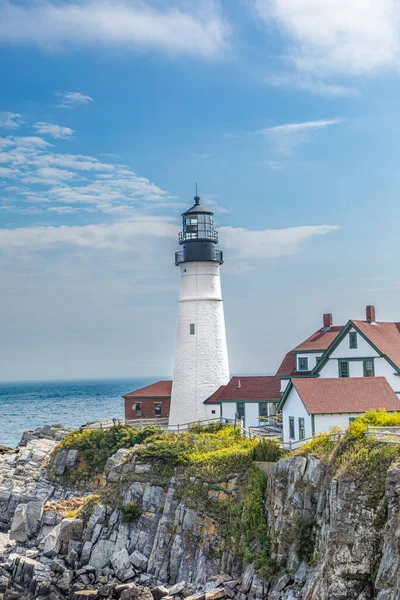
198,237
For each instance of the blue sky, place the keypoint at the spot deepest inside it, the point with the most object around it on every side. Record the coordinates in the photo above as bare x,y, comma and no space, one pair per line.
284,111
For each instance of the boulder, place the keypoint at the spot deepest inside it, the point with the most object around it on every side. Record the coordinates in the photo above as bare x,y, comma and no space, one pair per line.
159,592
136,592
122,565
177,588
18,531
282,582
101,554
139,560
247,579
56,542
25,521
215,594
64,582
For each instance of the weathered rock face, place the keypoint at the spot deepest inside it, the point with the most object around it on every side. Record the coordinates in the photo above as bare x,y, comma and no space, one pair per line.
22,479
327,540
327,535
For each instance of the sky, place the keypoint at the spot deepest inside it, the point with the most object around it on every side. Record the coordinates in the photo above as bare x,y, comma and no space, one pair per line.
286,113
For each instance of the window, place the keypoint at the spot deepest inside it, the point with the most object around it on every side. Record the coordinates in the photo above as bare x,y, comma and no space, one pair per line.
353,339
157,409
301,429
240,410
351,419
291,428
213,412
302,363
137,407
344,370
263,409
192,329
369,370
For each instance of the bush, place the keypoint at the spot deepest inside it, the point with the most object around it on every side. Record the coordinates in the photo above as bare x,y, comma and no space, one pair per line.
131,512
209,454
96,446
267,450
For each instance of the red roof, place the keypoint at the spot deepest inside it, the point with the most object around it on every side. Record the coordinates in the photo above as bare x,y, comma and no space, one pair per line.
384,335
160,389
320,340
248,388
346,395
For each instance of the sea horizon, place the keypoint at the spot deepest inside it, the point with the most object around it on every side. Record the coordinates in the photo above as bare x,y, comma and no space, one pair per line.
25,405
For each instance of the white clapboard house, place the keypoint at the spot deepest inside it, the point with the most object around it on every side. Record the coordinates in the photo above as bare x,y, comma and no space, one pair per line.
359,351
249,398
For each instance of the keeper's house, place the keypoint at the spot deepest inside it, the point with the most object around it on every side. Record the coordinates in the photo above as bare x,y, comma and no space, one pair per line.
250,398
312,406
150,402
363,352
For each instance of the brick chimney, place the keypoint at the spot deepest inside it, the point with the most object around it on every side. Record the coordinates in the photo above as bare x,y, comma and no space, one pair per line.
328,321
370,314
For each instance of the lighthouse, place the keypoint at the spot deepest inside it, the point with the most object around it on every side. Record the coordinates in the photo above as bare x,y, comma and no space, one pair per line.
201,356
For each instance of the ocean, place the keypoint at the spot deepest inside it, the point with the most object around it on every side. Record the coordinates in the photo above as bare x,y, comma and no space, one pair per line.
72,403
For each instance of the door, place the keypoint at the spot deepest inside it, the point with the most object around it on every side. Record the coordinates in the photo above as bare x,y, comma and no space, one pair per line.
241,412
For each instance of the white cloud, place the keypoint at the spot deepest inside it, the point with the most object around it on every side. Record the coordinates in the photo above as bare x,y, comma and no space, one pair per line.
72,99
118,23
55,131
9,120
331,37
74,180
289,135
313,85
117,236
124,235
270,243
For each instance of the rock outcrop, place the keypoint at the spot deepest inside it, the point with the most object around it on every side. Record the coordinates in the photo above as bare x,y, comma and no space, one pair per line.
141,539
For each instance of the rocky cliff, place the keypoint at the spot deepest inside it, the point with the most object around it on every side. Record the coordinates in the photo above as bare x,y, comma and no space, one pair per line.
143,530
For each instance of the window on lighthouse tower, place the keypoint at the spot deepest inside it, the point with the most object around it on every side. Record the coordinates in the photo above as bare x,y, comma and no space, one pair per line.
192,329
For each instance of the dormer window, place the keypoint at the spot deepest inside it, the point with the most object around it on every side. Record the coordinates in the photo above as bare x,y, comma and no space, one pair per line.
302,363
352,340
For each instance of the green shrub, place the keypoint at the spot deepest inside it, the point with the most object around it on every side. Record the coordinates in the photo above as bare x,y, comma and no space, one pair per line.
208,454
267,450
96,446
131,512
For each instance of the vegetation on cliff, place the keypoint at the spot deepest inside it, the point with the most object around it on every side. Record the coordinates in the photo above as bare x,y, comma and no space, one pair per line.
214,466
97,445
359,456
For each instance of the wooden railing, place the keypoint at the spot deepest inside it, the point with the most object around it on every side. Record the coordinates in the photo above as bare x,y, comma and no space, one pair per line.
295,444
161,422
387,435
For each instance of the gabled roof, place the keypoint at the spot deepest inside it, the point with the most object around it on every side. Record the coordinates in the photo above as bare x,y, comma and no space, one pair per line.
160,389
318,341
247,389
344,395
384,337
288,367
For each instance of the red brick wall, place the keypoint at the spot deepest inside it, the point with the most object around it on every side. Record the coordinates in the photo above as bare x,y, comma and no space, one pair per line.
148,407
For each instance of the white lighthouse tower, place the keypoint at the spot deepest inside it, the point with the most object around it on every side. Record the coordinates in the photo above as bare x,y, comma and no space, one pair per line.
201,355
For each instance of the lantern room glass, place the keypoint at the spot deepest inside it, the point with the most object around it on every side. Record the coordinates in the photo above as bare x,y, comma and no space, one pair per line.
198,226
